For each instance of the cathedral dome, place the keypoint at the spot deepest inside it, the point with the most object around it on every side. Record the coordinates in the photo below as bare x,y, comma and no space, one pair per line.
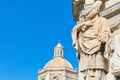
58,67
58,62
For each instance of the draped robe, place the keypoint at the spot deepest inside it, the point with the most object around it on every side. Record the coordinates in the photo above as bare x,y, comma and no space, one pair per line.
93,49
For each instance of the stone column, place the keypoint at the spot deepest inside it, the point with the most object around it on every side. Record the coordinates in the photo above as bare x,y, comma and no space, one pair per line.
47,76
115,58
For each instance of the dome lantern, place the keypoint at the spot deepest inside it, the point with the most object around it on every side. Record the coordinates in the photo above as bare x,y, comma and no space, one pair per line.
58,50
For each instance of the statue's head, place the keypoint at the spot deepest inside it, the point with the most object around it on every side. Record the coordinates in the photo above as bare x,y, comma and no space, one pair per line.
95,10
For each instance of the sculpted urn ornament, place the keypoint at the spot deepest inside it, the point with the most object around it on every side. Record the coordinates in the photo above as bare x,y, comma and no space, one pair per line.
92,40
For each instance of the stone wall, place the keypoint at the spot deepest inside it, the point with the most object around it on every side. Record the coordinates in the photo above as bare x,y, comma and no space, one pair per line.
110,3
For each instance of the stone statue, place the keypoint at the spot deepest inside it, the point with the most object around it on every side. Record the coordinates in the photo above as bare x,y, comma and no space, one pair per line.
92,39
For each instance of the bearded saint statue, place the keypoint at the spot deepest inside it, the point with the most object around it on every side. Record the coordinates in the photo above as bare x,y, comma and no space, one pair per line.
92,39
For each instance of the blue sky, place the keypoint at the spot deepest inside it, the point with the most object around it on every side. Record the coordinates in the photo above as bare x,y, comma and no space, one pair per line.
29,31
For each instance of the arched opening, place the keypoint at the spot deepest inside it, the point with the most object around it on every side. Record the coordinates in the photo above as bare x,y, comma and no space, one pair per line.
43,79
55,78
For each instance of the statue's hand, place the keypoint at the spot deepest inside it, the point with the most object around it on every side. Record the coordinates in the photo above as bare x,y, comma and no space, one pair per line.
88,23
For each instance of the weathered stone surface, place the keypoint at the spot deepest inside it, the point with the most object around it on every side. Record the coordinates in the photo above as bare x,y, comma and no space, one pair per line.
115,58
92,40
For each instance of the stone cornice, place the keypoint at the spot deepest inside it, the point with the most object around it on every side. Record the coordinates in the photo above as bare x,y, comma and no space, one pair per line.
115,26
111,11
56,69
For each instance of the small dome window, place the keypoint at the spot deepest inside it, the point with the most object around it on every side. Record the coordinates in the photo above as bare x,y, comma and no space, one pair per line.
43,79
55,78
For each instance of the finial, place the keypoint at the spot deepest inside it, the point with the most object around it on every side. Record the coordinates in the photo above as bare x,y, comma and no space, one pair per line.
59,44
58,50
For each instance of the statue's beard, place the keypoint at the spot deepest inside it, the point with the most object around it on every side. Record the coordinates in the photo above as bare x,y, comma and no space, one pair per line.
92,15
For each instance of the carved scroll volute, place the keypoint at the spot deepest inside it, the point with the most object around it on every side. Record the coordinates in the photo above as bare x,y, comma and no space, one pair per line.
77,6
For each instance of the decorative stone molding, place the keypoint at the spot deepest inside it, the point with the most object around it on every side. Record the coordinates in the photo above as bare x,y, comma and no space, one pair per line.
111,11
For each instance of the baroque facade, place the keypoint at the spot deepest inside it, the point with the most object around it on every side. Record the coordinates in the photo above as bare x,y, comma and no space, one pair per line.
58,68
111,11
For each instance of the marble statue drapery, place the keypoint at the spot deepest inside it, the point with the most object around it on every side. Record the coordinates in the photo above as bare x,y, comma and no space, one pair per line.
92,41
